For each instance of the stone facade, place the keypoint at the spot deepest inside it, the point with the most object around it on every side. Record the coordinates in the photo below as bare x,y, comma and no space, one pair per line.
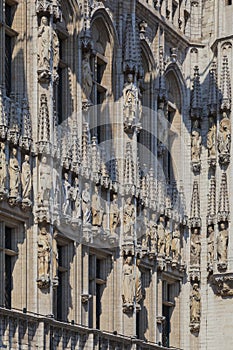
115,163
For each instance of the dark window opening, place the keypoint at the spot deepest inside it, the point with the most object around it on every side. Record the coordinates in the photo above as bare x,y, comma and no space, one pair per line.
166,326
98,305
8,63
61,283
8,268
8,15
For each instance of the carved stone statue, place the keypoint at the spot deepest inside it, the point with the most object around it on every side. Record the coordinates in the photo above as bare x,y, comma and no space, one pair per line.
212,141
168,239
45,182
26,179
195,247
196,145
210,242
161,236
86,204
128,282
153,234
14,172
87,80
129,217
67,193
224,139
138,282
76,199
222,243
44,47
195,304
97,210
146,232
55,261
114,215
162,127
56,55
132,103
3,168
56,188
44,248
175,246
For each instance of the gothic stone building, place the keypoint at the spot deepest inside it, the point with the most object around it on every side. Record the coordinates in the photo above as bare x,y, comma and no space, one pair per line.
115,163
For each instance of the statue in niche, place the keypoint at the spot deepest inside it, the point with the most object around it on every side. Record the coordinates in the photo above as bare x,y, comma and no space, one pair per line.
56,54
175,245
44,48
195,304
153,238
26,179
138,282
87,77
86,204
44,249
129,217
45,182
67,195
56,187
128,282
146,232
196,144
168,239
222,243
76,199
55,261
14,173
132,102
195,247
224,139
211,140
161,236
114,215
3,168
210,242
162,128
97,210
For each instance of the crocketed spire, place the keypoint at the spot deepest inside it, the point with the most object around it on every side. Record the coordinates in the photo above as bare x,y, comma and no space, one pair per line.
225,85
196,106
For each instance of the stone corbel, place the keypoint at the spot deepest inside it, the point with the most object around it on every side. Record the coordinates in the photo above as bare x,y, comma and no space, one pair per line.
85,298
160,319
223,284
194,273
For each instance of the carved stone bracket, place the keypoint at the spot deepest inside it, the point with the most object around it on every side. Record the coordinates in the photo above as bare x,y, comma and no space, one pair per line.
160,319
223,284
43,283
85,298
194,273
194,327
